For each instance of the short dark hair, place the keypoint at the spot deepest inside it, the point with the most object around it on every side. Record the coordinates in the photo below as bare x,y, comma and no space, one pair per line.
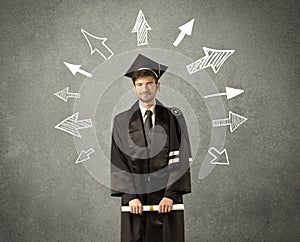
143,73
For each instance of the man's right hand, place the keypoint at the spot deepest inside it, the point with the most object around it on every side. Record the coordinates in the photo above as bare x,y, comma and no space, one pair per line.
135,206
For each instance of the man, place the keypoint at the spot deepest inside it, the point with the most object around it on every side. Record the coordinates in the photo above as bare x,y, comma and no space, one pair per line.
150,156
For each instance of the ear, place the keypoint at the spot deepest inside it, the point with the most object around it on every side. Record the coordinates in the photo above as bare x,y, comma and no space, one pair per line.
158,86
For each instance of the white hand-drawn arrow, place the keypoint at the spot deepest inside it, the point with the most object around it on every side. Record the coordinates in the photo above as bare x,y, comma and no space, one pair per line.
76,68
230,93
65,94
84,155
233,121
185,29
141,27
216,155
72,126
105,52
213,58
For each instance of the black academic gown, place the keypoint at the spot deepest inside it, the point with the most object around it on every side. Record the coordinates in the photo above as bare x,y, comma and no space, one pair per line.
162,171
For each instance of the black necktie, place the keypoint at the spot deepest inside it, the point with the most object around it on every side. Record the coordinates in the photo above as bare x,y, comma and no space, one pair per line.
148,125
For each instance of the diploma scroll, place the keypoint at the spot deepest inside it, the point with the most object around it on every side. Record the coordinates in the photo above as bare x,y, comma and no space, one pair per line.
149,208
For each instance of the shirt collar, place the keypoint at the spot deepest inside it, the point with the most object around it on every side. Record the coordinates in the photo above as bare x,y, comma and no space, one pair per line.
143,109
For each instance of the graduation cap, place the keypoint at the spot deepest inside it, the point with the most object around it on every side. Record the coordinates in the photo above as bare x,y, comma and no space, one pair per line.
144,63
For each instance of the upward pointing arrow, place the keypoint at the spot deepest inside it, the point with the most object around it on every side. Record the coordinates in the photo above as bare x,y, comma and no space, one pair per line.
141,27
105,52
230,93
76,68
185,29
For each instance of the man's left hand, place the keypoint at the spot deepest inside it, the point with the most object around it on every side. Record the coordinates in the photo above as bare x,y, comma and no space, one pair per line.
165,205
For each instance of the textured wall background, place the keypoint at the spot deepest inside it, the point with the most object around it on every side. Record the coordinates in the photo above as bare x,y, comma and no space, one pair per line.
45,197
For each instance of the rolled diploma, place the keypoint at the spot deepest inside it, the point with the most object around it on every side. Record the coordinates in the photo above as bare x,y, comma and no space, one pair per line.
148,208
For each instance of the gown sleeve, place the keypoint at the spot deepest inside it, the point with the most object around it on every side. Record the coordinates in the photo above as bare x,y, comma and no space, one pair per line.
179,172
122,184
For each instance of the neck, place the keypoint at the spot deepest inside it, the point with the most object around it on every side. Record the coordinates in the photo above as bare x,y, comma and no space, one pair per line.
148,105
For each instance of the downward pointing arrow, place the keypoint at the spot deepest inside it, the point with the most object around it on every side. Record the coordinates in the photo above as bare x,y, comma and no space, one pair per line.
84,155
185,29
216,154
76,68
230,93
105,52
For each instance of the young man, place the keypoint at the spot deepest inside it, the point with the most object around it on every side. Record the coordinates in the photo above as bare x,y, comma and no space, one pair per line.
150,156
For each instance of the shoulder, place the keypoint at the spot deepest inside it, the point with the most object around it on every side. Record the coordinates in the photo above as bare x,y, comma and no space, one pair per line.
175,111
125,115
171,112
177,115
122,115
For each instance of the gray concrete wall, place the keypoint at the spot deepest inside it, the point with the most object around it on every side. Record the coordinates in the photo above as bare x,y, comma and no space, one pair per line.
46,197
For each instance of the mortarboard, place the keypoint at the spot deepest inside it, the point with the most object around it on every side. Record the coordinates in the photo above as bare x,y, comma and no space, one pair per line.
144,63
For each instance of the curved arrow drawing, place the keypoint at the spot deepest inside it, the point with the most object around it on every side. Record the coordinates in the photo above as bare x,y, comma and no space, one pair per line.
141,27
72,126
230,93
105,52
233,121
185,29
84,155
216,155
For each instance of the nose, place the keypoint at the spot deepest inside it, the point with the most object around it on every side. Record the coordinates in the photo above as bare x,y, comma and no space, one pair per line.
145,88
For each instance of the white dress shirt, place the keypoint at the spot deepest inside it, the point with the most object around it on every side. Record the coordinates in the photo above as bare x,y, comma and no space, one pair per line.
143,111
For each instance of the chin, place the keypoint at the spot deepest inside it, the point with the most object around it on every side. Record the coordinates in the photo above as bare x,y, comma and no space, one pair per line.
147,100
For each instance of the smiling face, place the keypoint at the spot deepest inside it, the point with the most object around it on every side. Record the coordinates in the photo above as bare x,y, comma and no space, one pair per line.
145,89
